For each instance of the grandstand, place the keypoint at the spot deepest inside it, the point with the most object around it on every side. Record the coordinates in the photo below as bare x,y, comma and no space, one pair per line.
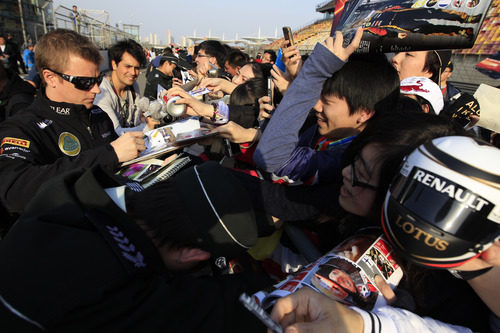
306,37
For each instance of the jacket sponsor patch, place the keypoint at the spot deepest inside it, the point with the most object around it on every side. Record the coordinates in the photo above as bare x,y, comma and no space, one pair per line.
69,144
60,110
16,142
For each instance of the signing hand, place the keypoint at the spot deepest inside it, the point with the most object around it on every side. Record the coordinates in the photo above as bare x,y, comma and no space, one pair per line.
128,146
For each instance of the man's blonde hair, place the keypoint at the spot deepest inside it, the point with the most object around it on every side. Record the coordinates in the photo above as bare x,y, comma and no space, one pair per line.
54,49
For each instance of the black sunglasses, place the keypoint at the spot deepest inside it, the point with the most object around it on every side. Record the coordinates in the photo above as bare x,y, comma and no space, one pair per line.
80,82
356,182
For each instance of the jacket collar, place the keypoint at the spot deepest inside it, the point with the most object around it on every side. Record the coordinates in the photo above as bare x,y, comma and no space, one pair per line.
59,110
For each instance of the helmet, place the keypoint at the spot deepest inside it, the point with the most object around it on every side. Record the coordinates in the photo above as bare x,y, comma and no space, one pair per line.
443,208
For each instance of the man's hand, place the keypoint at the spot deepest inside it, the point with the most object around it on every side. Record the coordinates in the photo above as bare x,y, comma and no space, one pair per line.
309,311
176,82
279,80
217,84
489,258
265,109
128,146
194,106
236,133
292,59
336,45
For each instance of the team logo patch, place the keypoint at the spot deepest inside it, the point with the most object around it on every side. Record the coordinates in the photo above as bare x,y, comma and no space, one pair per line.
69,144
15,142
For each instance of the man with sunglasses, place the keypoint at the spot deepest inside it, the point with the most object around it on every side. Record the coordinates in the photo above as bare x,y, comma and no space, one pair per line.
62,129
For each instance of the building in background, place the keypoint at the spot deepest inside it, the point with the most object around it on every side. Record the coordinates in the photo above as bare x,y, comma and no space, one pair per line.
26,20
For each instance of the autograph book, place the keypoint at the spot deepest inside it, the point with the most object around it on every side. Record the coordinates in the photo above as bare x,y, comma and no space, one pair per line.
412,25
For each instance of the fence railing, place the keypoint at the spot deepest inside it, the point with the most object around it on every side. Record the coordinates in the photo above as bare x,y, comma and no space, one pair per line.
101,33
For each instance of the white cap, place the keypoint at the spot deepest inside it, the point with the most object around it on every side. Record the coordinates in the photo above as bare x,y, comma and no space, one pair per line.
425,88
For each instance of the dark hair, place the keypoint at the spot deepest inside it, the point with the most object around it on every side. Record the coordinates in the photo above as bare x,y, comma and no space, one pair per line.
433,65
422,101
450,66
215,49
167,51
248,92
396,135
407,104
272,54
130,46
260,71
164,220
237,58
365,82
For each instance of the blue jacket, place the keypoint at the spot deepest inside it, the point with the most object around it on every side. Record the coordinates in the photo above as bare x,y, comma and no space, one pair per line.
281,150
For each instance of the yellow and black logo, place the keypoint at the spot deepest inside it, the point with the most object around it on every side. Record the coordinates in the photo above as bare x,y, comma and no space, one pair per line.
420,235
69,144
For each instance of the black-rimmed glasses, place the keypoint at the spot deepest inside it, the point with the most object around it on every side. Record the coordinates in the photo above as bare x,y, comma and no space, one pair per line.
356,182
80,82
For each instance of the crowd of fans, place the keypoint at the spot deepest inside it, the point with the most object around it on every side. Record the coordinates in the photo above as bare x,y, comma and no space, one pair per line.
330,146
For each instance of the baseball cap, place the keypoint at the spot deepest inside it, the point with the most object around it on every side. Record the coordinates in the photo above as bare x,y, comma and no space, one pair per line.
425,88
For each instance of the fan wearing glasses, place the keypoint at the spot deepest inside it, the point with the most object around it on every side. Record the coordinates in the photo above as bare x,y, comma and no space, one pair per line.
62,129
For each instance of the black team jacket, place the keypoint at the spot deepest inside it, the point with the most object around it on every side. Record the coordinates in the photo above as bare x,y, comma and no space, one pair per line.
75,262
47,139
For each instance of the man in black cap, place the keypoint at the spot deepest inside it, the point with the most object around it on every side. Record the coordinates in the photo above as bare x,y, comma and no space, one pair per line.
92,255
162,75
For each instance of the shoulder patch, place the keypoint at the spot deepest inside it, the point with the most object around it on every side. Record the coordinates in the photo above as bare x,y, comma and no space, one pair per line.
44,123
69,144
16,142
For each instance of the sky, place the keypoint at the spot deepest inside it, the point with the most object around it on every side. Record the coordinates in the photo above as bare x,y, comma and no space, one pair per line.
217,16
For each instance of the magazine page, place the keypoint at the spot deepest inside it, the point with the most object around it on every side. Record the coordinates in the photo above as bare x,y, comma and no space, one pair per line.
488,98
138,171
162,137
397,26
345,274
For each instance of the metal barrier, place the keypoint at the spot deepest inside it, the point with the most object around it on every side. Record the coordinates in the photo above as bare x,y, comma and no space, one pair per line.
101,33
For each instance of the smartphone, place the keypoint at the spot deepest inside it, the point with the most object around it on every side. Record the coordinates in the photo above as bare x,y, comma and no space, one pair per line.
287,33
270,89
252,306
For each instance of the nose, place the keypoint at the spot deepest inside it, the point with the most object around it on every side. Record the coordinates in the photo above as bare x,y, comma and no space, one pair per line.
396,59
318,107
237,79
346,173
95,89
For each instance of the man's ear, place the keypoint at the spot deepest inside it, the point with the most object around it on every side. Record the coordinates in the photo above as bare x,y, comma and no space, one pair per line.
364,115
425,108
189,255
50,78
113,65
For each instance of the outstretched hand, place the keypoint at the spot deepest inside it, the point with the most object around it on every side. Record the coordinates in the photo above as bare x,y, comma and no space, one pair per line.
335,45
